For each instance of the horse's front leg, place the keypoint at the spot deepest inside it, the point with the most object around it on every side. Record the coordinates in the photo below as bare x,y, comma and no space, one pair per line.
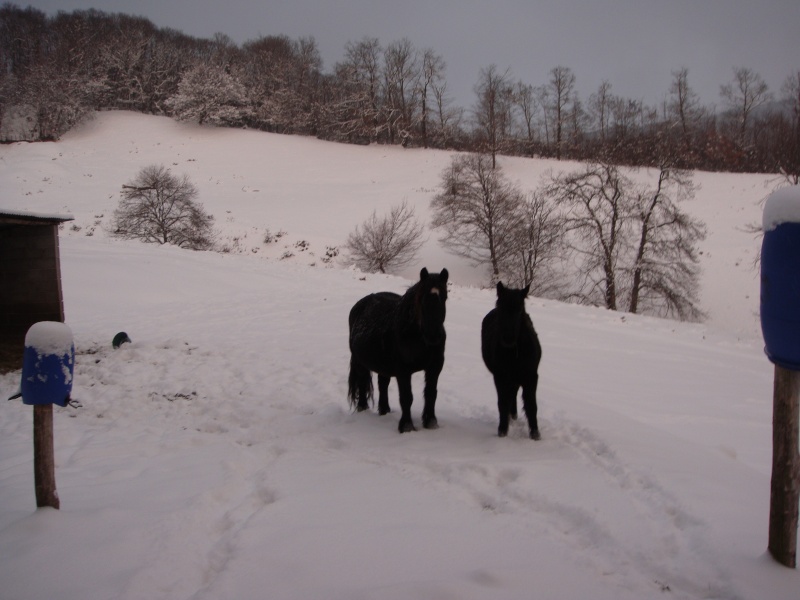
429,420
383,394
406,399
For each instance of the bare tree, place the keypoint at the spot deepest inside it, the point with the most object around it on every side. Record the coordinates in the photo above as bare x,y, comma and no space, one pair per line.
665,272
478,210
492,111
627,115
432,74
448,118
561,92
539,249
634,243
527,105
684,107
790,157
743,95
388,243
600,109
599,218
158,207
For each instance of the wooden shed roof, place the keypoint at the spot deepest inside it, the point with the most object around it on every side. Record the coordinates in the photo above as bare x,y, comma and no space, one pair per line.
17,217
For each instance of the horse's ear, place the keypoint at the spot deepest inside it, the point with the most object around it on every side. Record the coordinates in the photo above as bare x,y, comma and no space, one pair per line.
500,287
526,289
444,275
423,274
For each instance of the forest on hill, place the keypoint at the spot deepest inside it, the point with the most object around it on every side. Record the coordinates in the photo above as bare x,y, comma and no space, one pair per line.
54,70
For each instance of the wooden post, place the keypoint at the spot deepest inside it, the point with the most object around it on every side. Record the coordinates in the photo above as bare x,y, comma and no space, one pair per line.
785,486
44,471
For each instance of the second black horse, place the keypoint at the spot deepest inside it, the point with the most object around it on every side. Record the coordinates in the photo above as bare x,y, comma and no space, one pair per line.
511,351
396,336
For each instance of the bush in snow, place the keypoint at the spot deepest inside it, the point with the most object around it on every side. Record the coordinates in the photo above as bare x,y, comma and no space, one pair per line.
386,243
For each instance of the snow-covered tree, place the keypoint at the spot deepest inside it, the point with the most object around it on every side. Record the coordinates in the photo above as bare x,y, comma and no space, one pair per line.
401,90
209,94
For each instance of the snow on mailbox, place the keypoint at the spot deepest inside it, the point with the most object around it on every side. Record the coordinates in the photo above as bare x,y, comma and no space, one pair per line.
47,364
780,278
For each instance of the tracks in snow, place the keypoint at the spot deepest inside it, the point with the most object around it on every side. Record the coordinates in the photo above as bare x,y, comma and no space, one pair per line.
545,489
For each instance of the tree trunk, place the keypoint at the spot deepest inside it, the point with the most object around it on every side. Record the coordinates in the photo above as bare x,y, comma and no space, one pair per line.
785,485
44,473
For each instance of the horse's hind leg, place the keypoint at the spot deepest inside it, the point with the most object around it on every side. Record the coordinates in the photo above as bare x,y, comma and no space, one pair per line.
383,394
359,385
531,409
506,398
512,409
364,391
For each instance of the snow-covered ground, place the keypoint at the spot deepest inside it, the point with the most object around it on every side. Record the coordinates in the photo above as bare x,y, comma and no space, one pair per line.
216,456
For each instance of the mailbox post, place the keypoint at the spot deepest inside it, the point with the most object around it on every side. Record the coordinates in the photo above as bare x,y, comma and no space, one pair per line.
780,324
47,371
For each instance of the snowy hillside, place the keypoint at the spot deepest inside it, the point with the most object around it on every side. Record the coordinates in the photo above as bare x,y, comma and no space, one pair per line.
216,456
317,192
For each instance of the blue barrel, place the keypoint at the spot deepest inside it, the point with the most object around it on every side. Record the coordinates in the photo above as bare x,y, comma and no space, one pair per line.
48,364
780,294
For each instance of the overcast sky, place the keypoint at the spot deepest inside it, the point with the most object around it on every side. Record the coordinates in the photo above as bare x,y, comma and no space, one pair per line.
634,44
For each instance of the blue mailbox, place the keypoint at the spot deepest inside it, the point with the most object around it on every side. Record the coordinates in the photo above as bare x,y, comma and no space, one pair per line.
780,278
47,364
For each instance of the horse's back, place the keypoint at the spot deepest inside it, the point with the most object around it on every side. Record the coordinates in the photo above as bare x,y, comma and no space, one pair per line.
373,308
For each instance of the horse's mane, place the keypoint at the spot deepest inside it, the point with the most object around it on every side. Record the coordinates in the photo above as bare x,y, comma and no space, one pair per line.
409,301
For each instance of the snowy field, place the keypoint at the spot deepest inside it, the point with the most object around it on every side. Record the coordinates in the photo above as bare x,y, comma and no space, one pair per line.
215,457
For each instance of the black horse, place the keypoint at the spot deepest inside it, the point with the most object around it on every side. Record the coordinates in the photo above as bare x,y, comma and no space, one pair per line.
396,336
511,351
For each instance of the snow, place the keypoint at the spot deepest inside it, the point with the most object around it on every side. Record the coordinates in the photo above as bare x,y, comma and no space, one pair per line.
215,456
782,206
49,337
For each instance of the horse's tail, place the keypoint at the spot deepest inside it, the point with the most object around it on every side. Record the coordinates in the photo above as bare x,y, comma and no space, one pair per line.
359,385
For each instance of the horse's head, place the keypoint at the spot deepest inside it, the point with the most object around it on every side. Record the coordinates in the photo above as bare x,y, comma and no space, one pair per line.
510,308
430,304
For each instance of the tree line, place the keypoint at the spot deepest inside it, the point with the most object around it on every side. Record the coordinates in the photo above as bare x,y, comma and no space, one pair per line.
54,70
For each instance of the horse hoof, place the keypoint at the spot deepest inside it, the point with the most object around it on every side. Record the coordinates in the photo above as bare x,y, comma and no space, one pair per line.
406,427
384,411
502,432
535,435
431,423
361,408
